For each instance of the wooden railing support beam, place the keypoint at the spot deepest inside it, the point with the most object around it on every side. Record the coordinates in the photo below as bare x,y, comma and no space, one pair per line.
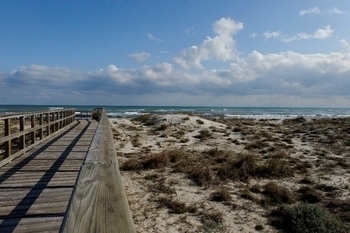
98,202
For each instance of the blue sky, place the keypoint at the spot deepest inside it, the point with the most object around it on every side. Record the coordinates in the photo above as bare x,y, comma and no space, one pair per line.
219,53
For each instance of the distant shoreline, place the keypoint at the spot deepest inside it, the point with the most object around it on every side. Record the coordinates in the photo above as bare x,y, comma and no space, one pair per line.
238,112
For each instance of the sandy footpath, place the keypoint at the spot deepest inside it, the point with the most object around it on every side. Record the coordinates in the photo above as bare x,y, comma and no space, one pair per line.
184,173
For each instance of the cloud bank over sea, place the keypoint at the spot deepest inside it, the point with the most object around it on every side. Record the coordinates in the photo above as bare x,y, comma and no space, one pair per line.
287,78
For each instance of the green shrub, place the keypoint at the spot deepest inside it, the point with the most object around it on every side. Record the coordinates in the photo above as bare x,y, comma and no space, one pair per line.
306,218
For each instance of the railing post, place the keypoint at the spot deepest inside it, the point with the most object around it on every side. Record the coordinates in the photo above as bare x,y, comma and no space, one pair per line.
61,119
22,138
41,122
7,132
32,124
54,122
64,118
48,124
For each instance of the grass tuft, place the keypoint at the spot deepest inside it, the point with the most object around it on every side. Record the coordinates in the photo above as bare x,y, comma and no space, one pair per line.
221,195
277,194
175,206
160,160
201,176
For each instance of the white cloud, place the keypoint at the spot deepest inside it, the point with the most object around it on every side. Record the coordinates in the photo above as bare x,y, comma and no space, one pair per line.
221,47
153,38
140,57
190,31
253,35
288,74
269,35
345,44
275,78
119,75
291,66
335,10
317,11
323,33
318,34
314,11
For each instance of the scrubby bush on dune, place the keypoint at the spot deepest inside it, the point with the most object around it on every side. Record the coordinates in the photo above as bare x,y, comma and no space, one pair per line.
204,134
245,166
277,194
155,161
147,119
240,168
274,168
306,218
175,155
309,195
201,176
131,165
221,195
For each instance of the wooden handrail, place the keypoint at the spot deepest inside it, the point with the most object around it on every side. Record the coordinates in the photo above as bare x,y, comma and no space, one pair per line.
98,202
49,122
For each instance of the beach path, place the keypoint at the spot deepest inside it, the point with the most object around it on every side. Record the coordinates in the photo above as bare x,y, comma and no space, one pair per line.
35,188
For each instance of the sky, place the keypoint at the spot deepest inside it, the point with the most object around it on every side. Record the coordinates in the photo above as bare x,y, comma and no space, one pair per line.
249,53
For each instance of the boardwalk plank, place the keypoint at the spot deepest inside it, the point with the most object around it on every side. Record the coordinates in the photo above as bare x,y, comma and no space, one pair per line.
36,187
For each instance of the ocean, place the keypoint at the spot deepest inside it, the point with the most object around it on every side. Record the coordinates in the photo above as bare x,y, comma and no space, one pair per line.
245,112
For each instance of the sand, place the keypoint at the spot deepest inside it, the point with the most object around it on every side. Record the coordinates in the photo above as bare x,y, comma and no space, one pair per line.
169,197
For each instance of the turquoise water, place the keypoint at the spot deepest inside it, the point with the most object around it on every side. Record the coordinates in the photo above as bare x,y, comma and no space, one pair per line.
130,111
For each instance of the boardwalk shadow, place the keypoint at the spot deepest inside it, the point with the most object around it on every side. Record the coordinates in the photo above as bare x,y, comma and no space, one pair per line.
10,221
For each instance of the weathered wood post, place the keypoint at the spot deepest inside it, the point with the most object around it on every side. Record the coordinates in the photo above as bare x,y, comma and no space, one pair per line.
32,124
7,133
41,122
48,124
22,138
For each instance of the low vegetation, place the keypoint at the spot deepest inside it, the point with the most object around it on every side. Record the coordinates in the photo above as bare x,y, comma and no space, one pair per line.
303,218
283,168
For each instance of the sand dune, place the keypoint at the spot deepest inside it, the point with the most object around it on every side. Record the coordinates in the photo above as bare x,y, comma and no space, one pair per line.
183,173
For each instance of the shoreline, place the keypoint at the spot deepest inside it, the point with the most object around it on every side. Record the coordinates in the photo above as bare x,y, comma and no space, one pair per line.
184,173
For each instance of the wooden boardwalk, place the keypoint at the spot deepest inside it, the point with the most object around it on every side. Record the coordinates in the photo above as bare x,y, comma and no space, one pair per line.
35,188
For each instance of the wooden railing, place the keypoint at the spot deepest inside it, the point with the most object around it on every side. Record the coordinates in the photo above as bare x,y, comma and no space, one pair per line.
98,202
21,132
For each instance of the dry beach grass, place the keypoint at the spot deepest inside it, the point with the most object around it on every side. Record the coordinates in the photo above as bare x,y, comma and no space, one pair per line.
184,173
